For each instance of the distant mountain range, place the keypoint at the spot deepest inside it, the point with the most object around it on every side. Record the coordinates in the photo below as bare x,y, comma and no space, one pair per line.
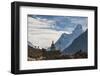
66,39
70,43
80,43
30,44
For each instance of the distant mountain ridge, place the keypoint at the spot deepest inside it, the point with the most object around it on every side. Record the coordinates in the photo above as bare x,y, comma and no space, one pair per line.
66,39
30,44
80,43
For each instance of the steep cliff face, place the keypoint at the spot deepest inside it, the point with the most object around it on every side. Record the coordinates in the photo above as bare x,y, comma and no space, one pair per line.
66,39
80,43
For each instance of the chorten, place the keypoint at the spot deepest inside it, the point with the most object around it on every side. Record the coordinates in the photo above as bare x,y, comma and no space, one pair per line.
53,46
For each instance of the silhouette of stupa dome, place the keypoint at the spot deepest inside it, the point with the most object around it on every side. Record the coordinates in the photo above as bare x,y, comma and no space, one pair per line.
53,46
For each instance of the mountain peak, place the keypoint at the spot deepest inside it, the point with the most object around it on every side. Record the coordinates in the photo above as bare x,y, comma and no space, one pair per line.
30,44
64,35
79,26
66,39
80,43
78,29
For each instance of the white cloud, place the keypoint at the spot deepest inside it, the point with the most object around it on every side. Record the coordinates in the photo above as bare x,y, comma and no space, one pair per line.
39,23
39,36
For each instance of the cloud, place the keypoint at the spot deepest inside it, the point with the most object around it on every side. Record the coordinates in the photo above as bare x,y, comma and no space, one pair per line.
61,23
43,29
39,23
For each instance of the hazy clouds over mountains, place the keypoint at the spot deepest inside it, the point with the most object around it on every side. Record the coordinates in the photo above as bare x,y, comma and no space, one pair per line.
43,29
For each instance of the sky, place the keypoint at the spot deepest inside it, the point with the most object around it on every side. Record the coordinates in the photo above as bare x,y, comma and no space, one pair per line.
43,29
